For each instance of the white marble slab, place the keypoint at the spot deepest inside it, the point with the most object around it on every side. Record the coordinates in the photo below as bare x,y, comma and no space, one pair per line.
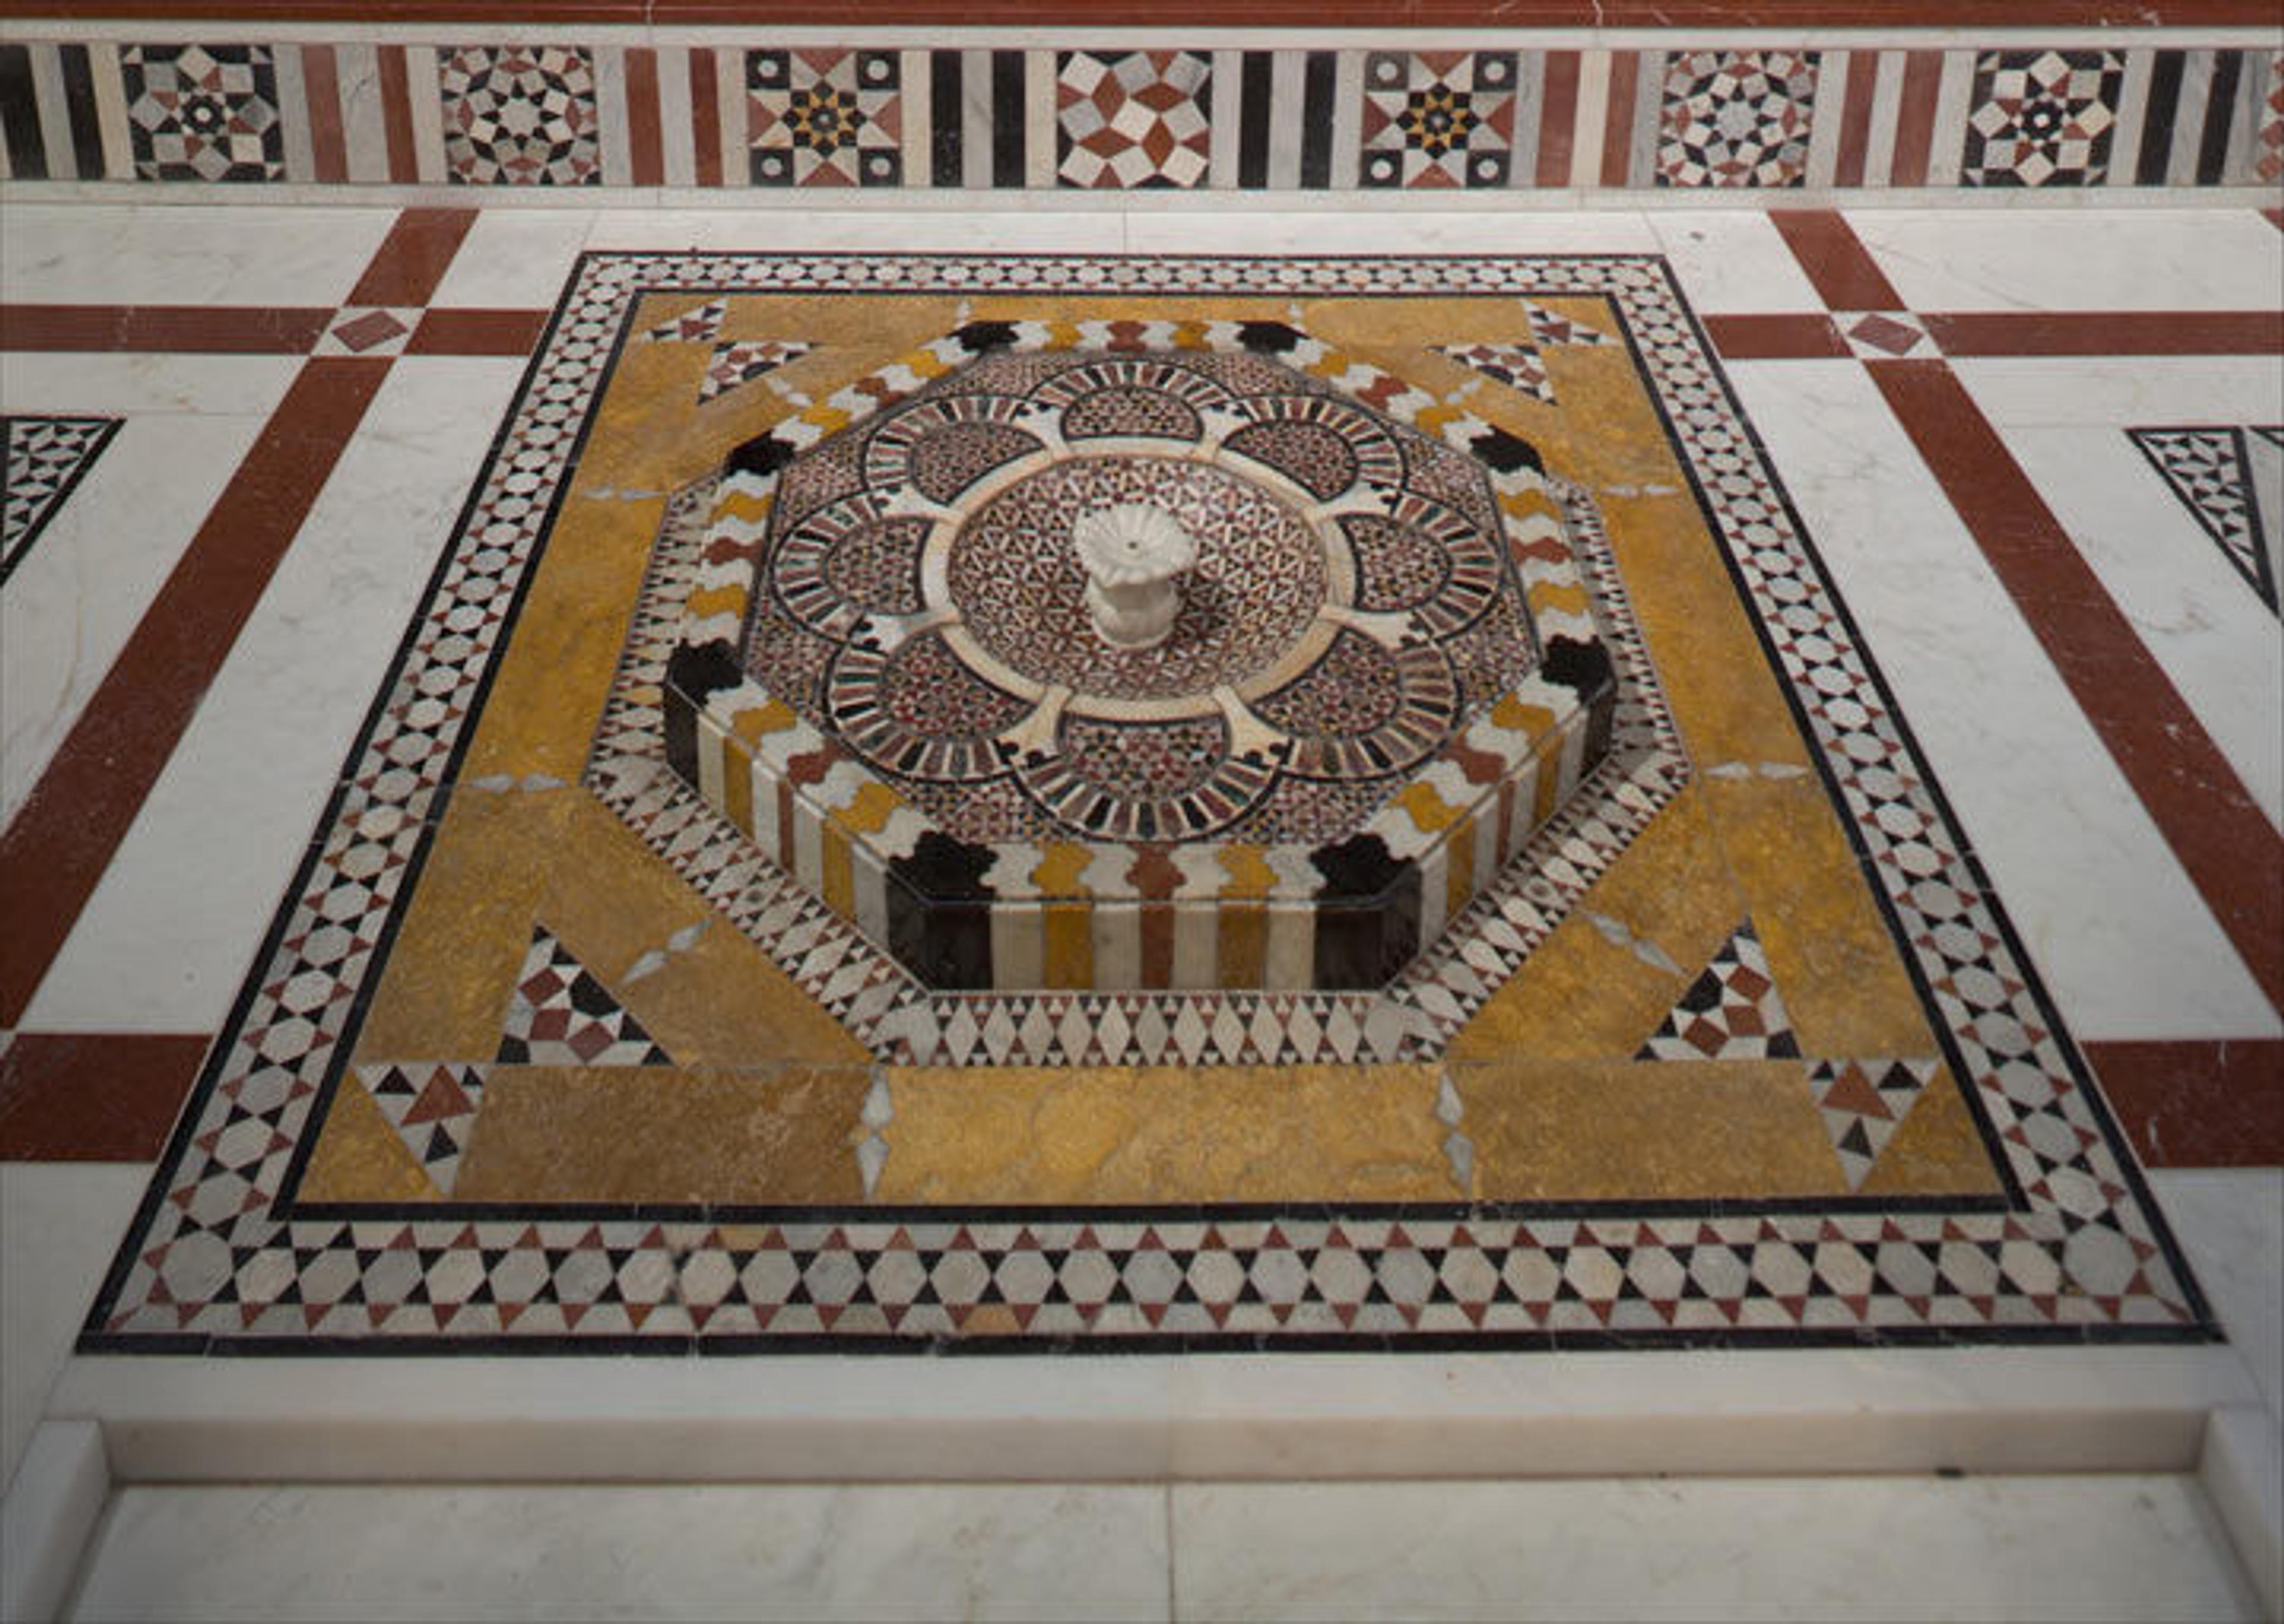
514,260
244,785
2123,1547
47,1517
2090,259
298,1554
994,229
157,254
59,1222
78,592
1361,227
2124,938
2231,1223
1733,261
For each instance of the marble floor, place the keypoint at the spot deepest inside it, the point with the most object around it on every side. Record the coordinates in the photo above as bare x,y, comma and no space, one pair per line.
2033,458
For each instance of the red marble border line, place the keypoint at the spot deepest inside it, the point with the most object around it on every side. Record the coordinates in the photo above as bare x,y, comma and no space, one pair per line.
1558,119
2199,1102
706,116
68,829
2108,332
1257,14
459,331
93,1096
328,144
2232,852
646,149
1834,260
216,329
1776,337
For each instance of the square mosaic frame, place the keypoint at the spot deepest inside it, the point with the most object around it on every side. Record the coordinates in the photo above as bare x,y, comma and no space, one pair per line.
218,1260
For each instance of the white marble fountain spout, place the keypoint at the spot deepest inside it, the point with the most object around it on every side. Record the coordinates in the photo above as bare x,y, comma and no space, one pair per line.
1134,556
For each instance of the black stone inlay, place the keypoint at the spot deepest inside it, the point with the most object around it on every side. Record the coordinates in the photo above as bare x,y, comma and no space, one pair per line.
1268,338
940,912
1582,666
1496,449
982,338
1360,866
691,675
762,454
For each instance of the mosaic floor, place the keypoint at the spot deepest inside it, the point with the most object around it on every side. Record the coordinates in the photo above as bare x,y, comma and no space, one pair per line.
1716,1032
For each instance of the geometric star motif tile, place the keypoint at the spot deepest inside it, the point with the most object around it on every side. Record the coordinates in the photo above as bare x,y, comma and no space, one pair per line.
1736,118
2042,118
432,1107
744,360
41,460
701,325
2232,482
203,113
1551,327
1437,118
824,118
1863,1103
1731,1012
560,1015
520,115
1132,119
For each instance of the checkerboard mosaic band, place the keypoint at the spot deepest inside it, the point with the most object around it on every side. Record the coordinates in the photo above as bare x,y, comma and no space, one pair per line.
41,461
2232,482
1736,118
1132,119
2126,107
221,1254
2042,118
203,113
520,116
825,118
1438,118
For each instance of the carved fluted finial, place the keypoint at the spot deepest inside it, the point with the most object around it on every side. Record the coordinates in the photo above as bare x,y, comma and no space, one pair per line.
1134,555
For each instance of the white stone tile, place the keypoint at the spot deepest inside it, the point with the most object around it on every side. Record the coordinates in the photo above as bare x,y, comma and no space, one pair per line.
2231,1223
304,1554
2123,392
165,254
47,1517
514,260
2219,643
245,786
2076,260
78,592
59,1222
860,230
62,383
1360,229
2122,1547
2123,937
1733,261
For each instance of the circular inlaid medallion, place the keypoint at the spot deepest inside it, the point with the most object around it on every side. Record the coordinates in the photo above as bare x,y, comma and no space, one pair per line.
1259,581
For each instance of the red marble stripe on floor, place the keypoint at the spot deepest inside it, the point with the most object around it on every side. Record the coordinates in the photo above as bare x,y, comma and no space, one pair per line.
1841,270
467,331
412,258
2202,1103
1557,103
1776,337
1316,16
1915,118
396,116
213,329
1618,130
2232,852
706,117
93,1096
1856,120
66,832
2108,332
646,153
328,146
